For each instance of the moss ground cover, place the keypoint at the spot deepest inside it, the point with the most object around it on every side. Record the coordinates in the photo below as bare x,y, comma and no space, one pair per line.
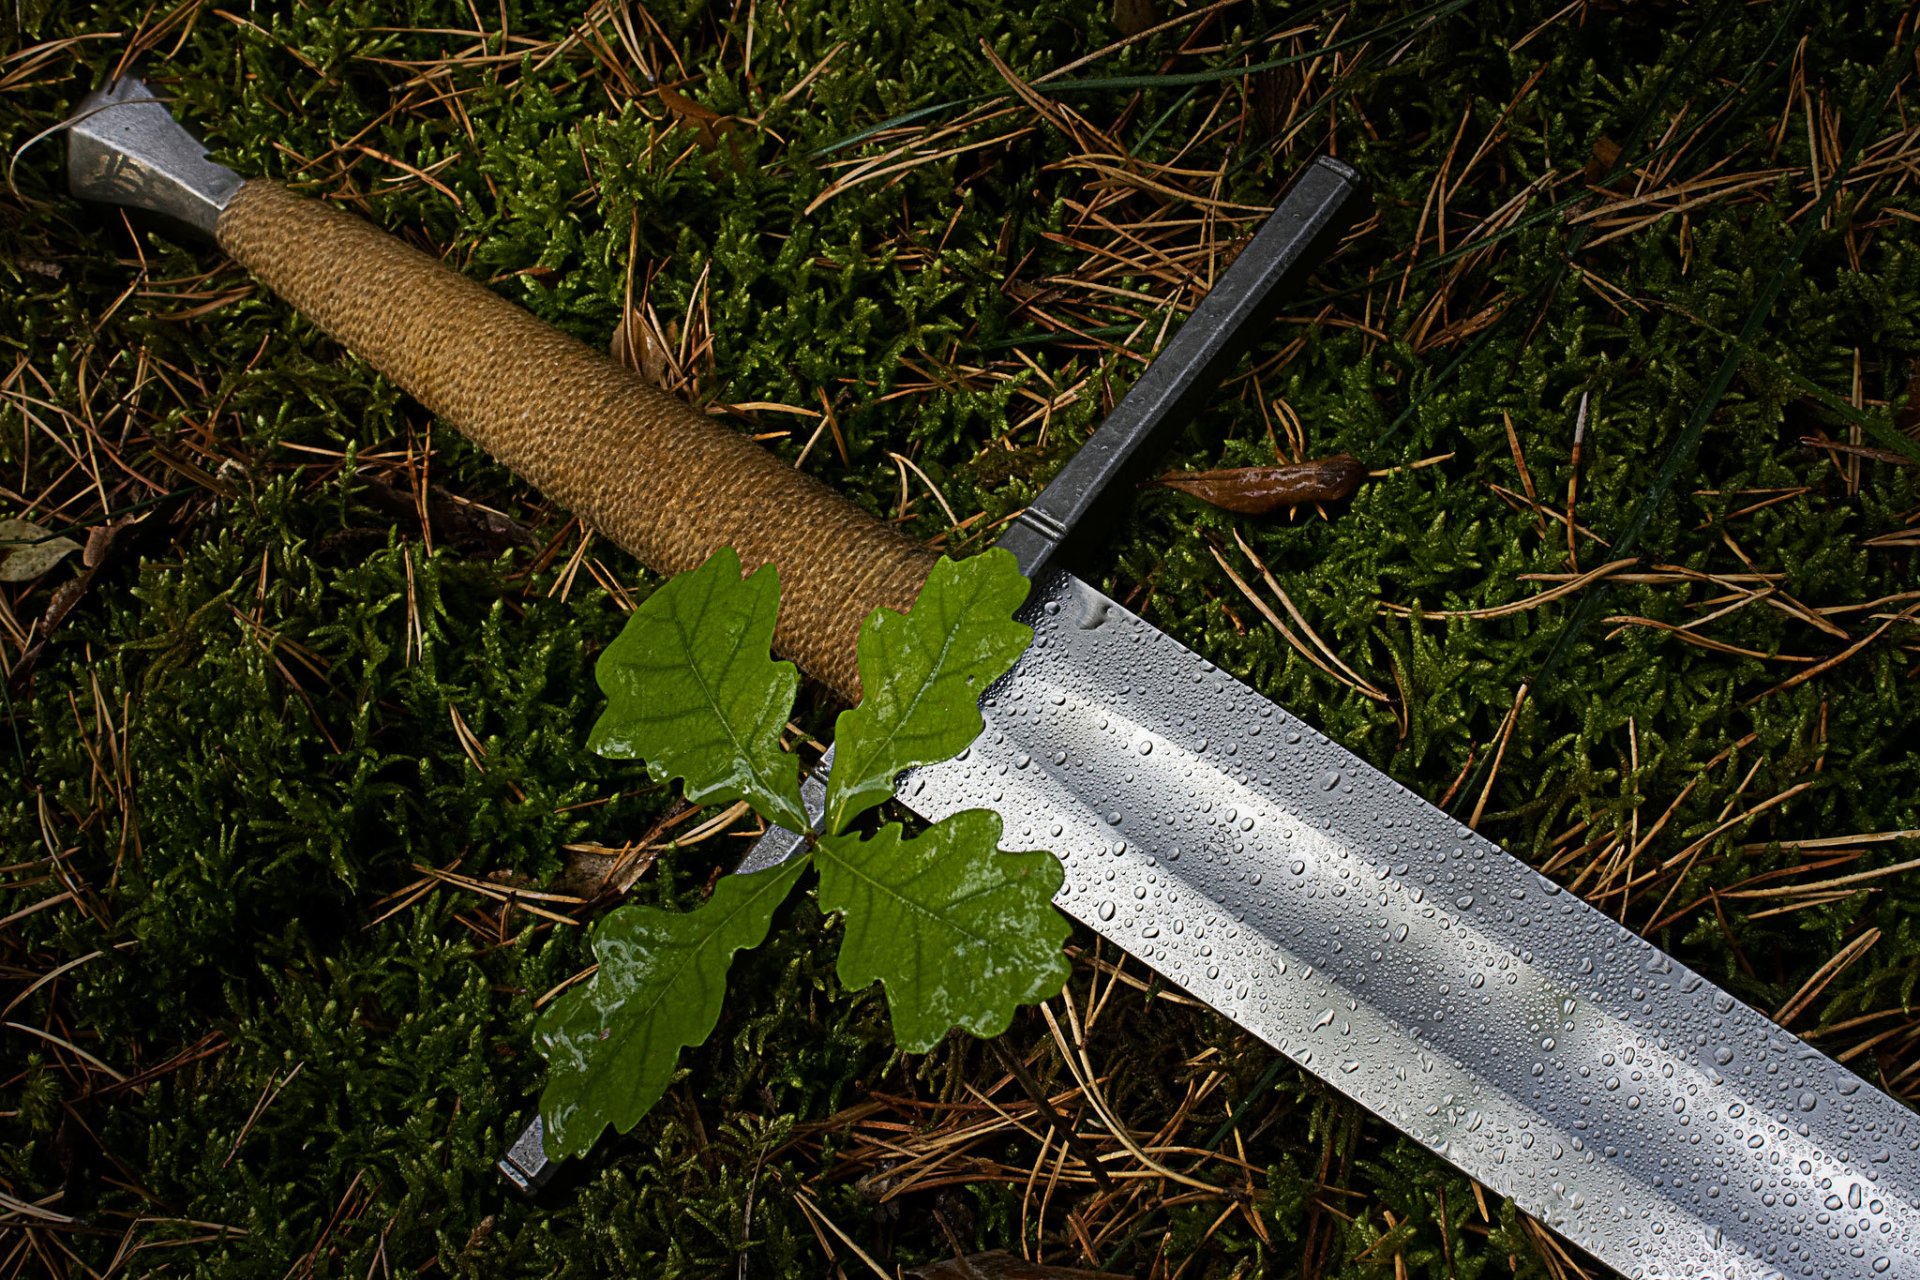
299,827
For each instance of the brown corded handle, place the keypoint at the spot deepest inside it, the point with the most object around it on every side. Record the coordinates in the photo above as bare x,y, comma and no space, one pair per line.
667,483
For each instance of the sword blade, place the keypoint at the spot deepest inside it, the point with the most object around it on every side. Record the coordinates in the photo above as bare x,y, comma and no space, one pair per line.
1440,982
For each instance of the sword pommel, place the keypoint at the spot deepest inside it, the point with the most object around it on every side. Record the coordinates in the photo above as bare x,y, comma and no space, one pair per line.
124,147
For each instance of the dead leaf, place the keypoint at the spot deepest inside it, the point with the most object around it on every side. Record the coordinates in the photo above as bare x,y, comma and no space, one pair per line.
33,550
706,123
648,354
1269,95
1606,154
101,539
1259,491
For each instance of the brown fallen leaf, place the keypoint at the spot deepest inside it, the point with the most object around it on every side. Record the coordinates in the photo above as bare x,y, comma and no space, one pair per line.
30,550
1269,95
99,543
124,540
1259,491
648,356
706,123
1606,154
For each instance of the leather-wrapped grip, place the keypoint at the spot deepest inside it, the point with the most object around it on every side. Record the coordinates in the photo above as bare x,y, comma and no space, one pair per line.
669,484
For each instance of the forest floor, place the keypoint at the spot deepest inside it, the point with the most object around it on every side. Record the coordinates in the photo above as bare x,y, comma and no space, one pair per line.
297,825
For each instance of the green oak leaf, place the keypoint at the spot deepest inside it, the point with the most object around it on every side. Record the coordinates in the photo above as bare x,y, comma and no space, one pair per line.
612,1045
923,673
691,689
959,932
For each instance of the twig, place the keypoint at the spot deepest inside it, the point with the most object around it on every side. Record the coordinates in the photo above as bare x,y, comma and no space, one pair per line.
1573,482
1517,606
1802,677
1824,975
1506,732
1045,1107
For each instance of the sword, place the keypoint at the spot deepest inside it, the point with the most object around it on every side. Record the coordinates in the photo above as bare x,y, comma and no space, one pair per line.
1542,1048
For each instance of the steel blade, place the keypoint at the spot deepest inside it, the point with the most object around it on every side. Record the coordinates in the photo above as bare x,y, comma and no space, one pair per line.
1443,984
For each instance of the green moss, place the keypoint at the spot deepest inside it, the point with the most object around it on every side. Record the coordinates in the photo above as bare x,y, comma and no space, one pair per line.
242,742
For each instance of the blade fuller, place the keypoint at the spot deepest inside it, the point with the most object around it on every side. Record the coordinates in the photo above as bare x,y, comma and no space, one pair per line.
1443,984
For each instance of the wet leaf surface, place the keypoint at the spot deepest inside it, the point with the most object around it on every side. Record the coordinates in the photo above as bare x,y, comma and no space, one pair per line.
924,672
691,689
612,1044
959,934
